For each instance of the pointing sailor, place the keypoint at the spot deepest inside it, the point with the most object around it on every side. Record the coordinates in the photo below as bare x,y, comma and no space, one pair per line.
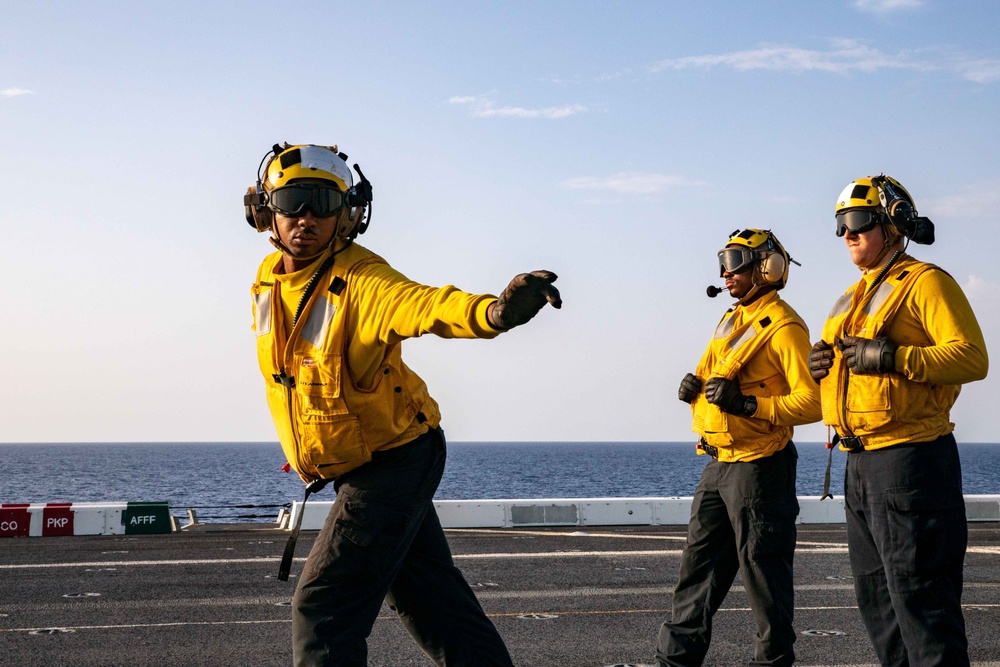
330,317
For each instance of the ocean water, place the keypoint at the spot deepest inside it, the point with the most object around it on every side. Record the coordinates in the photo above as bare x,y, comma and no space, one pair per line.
229,482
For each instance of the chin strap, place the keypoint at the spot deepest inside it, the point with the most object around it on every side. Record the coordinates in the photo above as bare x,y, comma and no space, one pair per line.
753,293
276,242
749,295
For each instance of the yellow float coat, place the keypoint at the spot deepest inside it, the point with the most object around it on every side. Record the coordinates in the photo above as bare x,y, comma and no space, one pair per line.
336,383
924,311
765,346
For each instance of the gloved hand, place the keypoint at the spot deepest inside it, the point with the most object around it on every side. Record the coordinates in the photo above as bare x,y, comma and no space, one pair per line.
866,356
820,360
690,386
726,394
521,300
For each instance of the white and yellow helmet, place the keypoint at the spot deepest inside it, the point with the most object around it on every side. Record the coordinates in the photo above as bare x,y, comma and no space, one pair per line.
864,193
866,202
308,161
286,164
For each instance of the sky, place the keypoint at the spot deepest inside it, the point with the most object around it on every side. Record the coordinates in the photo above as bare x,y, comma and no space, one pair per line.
616,144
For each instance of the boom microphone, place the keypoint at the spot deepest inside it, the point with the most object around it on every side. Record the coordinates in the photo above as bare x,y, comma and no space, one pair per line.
714,291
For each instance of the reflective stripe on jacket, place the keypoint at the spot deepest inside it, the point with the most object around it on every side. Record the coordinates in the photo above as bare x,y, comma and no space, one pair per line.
920,308
326,423
734,347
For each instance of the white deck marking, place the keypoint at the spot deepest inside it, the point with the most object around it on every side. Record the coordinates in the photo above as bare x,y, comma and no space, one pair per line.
480,556
143,625
575,533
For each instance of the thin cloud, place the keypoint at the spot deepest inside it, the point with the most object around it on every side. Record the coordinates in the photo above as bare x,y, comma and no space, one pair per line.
986,70
630,183
483,107
844,56
980,289
847,55
886,6
15,92
519,112
975,201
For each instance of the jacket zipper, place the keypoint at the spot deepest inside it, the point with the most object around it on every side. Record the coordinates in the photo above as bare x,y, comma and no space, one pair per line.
288,381
291,422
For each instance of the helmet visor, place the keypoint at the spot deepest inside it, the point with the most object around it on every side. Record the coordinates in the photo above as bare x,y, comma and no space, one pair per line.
857,221
736,260
294,200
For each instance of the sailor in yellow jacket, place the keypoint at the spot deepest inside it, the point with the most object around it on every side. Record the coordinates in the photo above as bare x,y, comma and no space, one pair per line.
329,318
896,348
750,388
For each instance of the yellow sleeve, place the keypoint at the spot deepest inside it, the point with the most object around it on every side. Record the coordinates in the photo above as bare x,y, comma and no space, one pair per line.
388,307
788,349
939,336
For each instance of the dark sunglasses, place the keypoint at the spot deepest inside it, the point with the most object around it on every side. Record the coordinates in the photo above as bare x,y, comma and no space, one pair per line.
295,200
736,260
857,221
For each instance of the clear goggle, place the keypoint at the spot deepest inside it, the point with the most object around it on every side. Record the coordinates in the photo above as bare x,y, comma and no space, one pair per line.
857,221
736,260
294,200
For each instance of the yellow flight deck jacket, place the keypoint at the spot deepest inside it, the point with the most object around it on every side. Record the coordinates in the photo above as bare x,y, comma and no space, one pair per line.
923,310
336,383
766,346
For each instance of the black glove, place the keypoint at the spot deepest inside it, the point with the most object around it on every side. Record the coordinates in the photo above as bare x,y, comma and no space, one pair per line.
865,356
820,360
521,300
689,389
727,395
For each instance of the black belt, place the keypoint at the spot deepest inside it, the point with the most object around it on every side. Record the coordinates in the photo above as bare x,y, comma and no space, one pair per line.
852,443
709,449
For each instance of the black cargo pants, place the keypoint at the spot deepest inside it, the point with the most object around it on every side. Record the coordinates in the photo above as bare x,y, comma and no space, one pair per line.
907,535
742,520
383,541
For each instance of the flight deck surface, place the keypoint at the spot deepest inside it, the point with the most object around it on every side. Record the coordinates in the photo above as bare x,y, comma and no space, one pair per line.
574,597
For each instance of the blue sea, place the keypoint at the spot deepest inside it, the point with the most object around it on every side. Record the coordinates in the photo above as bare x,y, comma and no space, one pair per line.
243,481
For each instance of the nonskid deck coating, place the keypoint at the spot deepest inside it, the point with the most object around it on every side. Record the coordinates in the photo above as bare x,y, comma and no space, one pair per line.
559,596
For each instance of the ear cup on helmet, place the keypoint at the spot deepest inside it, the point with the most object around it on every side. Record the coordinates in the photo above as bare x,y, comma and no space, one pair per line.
258,215
264,219
772,268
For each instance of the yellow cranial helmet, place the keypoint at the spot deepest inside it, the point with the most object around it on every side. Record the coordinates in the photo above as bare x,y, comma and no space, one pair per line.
864,193
760,250
308,161
288,187
872,200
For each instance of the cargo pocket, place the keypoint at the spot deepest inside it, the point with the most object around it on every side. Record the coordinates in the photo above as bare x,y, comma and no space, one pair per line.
369,538
771,529
927,531
355,525
346,557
